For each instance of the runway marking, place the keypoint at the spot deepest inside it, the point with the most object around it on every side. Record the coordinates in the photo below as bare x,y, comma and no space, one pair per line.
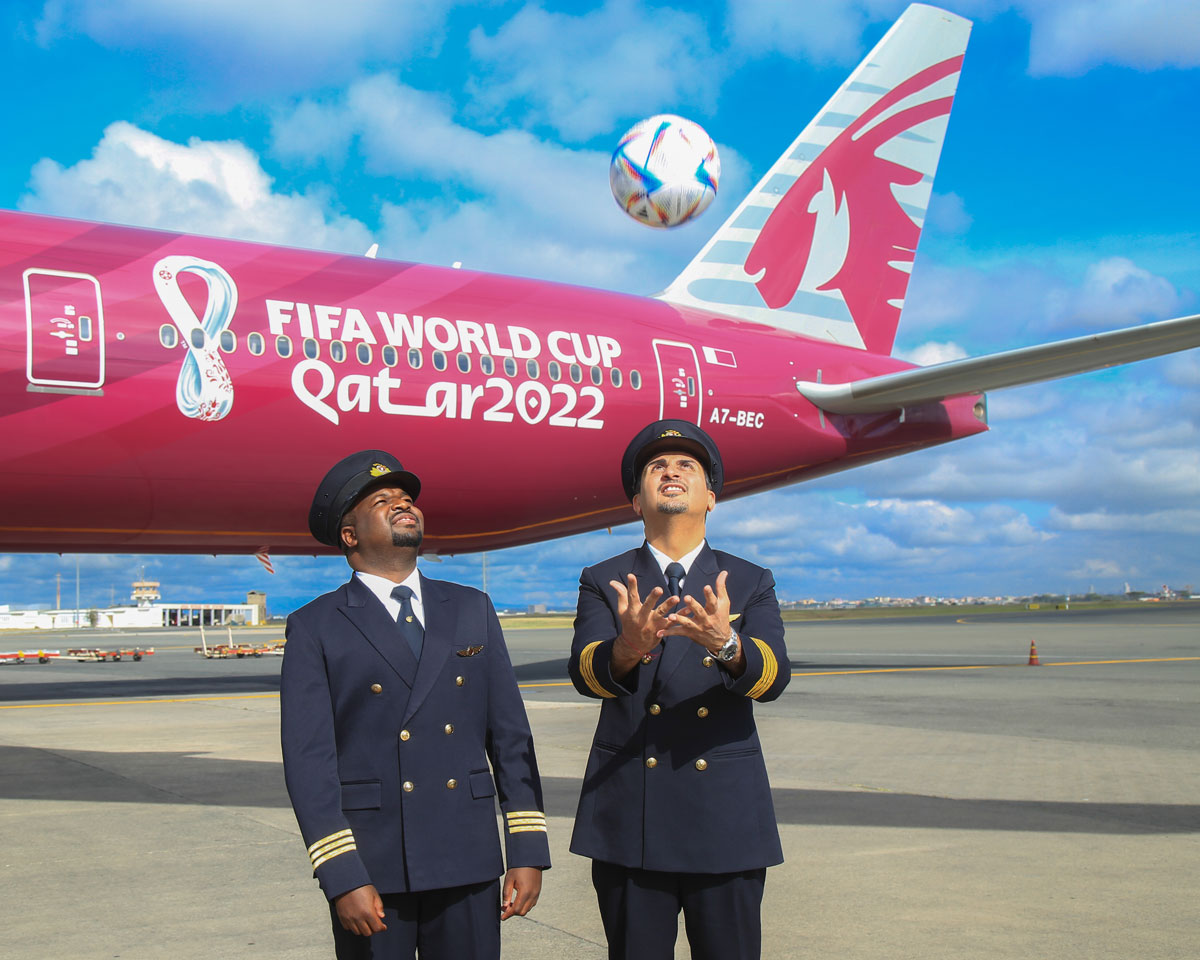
121,703
567,683
984,666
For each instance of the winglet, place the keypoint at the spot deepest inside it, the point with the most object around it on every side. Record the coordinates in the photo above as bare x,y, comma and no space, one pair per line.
824,244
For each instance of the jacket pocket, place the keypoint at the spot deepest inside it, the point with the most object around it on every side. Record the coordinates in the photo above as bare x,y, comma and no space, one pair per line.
481,784
362,795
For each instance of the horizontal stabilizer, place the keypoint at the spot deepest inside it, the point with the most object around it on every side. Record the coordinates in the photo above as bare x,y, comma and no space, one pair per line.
956,378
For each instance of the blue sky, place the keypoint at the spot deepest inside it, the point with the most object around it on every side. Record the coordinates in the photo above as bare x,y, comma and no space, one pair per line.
1066,202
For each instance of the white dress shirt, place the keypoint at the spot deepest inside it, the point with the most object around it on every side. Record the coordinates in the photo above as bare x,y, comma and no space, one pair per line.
685,561
382,588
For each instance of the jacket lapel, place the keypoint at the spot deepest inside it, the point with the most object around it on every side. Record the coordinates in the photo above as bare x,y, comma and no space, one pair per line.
703,573
441,625
370,618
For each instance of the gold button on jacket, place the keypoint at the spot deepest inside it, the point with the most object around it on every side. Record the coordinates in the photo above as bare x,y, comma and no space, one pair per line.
701,764
404,734
655,709
651,762
376,688
451,784
708,661
449,729
702,712
408,786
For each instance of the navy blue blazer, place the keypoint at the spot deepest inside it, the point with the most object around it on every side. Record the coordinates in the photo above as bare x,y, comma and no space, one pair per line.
675,780
387,760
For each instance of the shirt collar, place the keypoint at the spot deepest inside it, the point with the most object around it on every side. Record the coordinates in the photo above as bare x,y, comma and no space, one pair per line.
686,560
382,587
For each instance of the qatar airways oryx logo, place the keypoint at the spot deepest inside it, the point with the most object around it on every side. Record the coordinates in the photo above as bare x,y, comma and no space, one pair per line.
842,225
204,390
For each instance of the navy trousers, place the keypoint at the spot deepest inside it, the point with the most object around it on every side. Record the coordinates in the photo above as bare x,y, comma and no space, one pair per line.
640,911
457,923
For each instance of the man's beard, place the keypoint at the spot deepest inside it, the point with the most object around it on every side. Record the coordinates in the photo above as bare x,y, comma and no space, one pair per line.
406,538
672,506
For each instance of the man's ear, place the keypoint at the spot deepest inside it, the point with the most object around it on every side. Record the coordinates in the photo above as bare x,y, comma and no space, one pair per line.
712,501
637,504
348,535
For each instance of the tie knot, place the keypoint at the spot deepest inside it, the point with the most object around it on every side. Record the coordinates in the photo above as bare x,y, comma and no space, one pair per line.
402,593
675,570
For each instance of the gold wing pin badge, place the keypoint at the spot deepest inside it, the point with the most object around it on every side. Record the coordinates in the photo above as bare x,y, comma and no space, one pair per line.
733,616
469,651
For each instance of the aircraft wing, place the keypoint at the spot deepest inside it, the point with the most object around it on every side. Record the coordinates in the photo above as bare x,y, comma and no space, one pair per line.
956,378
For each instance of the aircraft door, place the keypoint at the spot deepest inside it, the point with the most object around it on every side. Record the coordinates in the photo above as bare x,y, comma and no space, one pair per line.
679,381
64,319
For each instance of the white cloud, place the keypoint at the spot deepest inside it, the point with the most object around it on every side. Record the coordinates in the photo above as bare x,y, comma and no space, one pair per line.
532,207
592,70
253,48
948,215
1070,37
932,352
1115,293
207,187
1182,521
825,33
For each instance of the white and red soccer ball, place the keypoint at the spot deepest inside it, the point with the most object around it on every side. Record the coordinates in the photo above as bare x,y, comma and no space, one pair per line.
664,171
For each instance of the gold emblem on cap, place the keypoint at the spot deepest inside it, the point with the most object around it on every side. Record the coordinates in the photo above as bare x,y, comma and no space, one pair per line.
379,470
670,433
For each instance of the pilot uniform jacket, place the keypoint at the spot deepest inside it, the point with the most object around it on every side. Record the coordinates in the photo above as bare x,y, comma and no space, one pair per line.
675,780
386,760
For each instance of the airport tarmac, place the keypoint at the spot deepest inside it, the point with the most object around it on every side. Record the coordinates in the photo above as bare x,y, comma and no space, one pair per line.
937,796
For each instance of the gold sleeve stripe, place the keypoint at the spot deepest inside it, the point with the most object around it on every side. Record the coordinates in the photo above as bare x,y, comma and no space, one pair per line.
329,848
589,672
541,829
334,853
733,616
525,813
770,671
328,839
527,822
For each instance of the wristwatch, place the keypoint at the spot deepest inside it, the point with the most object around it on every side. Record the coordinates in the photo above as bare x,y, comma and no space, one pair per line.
729,649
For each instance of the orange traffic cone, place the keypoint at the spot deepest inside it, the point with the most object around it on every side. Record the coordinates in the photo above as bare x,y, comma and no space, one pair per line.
1033,657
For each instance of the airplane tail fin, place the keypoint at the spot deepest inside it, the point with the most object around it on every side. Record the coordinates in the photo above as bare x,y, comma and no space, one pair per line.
824,244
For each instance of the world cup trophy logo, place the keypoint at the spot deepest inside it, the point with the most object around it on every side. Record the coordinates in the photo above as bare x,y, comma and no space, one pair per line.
204,390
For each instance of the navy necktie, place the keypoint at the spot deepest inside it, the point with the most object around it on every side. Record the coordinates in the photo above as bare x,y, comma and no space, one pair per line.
408,624
675,573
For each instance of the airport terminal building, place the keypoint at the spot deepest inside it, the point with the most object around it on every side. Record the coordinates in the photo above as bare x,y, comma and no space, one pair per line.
148,610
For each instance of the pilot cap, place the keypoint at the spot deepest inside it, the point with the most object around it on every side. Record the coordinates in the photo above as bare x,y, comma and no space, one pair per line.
347,481
670,435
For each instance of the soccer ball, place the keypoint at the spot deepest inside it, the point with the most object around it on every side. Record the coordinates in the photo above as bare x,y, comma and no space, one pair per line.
664,171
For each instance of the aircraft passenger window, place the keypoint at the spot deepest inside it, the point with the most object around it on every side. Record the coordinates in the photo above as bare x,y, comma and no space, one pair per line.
576,373
597,376
439,360
414,358
197,338
311,348
166,335
337,351
255,344
283,346
363,352
531,369
691,386
487,365
389,355
554,370
228,341
85,328
510,366
615,376
635,380
463,362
